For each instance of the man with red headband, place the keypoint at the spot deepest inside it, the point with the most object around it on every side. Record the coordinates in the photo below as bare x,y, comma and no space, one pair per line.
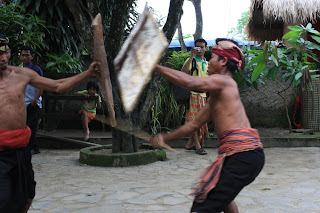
240,154
17,185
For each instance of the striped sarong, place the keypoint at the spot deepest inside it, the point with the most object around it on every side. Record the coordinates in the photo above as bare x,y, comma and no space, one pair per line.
197,102
231,142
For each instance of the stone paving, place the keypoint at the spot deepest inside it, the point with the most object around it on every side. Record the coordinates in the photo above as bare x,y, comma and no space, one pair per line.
289,182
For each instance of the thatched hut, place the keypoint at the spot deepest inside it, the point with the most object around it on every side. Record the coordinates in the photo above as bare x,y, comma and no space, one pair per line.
269,18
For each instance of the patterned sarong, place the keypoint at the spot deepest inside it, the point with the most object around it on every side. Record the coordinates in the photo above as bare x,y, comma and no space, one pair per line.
197,102
14,139
231,142
90,115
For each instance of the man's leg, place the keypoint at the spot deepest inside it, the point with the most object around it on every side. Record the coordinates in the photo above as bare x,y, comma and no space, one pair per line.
5,190
28,205
231,208
199,148
33,123
237,171
189,144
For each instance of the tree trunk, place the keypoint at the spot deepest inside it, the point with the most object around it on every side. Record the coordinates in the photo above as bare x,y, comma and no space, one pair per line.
82,24
199,23
180,35
122,141
173,19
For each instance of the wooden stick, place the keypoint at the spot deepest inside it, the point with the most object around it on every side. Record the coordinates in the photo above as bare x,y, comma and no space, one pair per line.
131,129
103,76
68,140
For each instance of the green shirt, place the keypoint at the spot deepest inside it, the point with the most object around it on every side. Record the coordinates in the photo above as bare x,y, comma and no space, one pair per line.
89,105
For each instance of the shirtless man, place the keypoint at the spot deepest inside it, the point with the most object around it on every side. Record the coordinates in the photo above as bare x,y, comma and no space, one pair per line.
240,158
17,185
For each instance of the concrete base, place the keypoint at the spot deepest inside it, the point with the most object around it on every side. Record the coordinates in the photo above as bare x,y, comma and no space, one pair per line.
90,156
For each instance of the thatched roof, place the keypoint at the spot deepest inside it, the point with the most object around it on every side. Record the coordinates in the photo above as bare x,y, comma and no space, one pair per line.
268,17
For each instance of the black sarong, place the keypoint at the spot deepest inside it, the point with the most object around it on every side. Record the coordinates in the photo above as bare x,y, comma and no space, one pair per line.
17,183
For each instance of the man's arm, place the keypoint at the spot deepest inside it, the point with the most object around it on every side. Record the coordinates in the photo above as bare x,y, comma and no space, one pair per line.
65,84
39,91
194,83
186,130
36,98
186,66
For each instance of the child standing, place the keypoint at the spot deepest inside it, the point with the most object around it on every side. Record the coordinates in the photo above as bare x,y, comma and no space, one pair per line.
88,108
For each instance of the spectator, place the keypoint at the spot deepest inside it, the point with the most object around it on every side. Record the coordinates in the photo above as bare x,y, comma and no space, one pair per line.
197,99
32,99
89,107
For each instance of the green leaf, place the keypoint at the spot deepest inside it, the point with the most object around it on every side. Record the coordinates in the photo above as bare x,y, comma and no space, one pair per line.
275,61
295,28
314,32
258,59
50,64
298,76
38,2
309,26
290,34
272,73
316,38
314,46
314,77
258,70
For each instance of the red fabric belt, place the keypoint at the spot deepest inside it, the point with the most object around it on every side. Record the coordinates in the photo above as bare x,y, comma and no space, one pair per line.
14,139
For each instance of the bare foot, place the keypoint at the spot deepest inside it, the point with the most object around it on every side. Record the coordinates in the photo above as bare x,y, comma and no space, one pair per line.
86,136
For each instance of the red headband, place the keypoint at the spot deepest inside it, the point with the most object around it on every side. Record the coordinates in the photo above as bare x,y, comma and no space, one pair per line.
231,51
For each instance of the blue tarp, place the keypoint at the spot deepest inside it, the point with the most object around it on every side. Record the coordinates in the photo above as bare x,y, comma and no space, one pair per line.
190,43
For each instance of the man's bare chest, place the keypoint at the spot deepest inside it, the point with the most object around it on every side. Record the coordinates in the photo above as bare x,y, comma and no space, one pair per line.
11,91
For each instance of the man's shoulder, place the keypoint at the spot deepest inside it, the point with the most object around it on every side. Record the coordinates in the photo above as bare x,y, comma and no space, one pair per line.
222,78
37,69
20,72
16,69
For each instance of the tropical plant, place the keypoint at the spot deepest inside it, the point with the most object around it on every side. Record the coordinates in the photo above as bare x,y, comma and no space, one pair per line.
63,64
290,63
177,59
21,28
166,113
64,36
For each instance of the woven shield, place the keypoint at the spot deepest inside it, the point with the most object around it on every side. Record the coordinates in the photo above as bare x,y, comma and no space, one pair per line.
137,58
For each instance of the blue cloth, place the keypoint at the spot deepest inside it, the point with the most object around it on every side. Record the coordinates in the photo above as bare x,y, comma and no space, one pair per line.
32,91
